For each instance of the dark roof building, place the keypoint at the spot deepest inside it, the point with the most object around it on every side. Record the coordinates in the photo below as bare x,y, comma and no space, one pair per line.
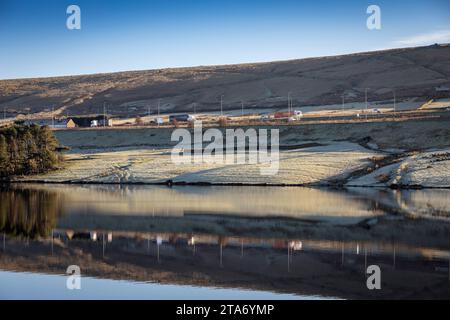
52,123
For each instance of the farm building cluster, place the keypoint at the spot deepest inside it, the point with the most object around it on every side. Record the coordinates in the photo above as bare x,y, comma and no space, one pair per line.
71,123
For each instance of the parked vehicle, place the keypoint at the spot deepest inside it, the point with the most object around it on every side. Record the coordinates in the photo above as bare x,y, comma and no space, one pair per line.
283,114
158,121
181,118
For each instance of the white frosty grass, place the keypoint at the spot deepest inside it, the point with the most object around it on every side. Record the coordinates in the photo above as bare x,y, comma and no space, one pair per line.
428,169
372,179
309,165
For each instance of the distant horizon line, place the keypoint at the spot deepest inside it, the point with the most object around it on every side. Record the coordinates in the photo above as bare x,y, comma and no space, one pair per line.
221,65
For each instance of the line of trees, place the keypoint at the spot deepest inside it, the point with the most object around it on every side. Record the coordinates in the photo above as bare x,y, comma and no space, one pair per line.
26,150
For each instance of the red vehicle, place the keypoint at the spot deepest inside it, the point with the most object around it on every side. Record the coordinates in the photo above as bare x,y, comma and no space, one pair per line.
282,115
285,114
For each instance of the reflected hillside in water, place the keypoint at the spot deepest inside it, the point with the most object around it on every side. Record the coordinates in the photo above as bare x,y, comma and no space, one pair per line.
286,240
336,206
32,211
293,266
178,201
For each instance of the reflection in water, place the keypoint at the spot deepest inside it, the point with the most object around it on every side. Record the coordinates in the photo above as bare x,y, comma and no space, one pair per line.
336,206
300,267
281,240
28,212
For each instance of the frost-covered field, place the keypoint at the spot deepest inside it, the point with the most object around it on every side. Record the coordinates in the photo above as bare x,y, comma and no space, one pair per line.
398,153
428,169
302,166
333,163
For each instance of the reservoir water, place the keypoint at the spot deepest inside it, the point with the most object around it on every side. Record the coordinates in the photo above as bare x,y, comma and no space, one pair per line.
186,242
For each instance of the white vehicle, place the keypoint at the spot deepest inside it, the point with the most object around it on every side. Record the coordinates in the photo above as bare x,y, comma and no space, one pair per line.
298,113
158,121
297,116
94,123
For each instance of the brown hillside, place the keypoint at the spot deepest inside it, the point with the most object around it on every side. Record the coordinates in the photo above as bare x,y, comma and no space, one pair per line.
413,72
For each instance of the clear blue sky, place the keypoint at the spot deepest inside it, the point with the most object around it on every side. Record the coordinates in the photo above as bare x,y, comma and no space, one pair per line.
133,35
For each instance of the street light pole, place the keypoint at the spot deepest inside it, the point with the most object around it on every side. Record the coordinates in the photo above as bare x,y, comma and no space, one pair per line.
104,114
221,105
395,102
289,102
366,102
449,92
159,105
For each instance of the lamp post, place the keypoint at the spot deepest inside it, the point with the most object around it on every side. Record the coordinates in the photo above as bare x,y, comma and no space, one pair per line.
159,105
289,102
449,96
395,101
104,114
366,101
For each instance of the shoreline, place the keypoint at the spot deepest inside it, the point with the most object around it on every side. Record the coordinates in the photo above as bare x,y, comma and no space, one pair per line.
232,184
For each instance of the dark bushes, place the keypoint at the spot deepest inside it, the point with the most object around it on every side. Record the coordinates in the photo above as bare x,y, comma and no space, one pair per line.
26,150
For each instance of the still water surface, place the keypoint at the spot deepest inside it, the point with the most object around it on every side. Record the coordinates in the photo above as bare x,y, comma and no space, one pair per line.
152,242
